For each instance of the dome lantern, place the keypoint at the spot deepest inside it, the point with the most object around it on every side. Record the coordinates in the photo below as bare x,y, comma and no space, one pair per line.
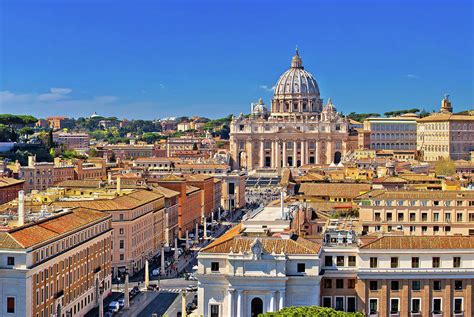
296,61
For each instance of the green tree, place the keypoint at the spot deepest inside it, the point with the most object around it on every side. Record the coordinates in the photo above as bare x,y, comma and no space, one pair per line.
445,167
310,311
7,134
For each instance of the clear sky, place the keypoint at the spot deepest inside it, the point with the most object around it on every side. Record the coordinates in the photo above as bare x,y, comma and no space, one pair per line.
151,59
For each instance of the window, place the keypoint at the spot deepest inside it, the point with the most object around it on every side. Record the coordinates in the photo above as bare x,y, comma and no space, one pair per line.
339,303
447,217
373,262
400,217
351,304
122,257
373,285
458,285
415,285
373,305
393,262
394,305
459,217
339,283
340,260
389,216
301,267
327,283
412,216
436,262
11,305
436,217
10,260
436,307
214,310
437,285
424,216
215,266
415,262
328,260
456,261
351,283
327,301
121,231
458,305
415,305
121,244
394,285
352,260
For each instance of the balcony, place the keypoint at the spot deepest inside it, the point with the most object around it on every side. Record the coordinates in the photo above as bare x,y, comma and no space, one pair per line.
415,314
458,314
394,314
437,314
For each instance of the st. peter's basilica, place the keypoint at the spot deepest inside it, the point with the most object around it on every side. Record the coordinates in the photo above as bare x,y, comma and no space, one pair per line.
298,129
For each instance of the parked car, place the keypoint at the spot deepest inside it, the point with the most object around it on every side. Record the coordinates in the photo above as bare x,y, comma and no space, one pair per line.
152,287
189,308
195,300
192,277
121,302
156,272
192,288
114,306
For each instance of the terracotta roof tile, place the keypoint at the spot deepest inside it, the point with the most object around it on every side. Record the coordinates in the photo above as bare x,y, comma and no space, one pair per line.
421,242
49,228
333,189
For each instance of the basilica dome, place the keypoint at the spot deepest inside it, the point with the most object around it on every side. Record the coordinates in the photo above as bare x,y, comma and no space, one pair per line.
296,85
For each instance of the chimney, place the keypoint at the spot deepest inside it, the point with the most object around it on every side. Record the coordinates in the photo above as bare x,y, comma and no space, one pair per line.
21,208
282,202
119,185
31,161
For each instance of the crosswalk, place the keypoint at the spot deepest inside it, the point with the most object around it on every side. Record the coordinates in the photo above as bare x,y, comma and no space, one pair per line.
170,290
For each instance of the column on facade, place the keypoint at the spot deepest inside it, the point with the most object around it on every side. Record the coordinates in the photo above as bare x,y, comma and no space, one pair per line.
250,154
295,152
262,160
306,150
329,156
239,303
316,152
271,307
230,306
284,153
272,159
281,304
303,152
277,154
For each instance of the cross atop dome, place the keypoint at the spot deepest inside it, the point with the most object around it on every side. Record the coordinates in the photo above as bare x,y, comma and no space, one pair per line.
296,61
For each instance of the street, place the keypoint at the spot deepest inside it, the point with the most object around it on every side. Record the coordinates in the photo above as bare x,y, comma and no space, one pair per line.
168,298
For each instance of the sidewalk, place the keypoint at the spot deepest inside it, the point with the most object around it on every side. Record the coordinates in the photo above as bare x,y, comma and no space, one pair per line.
138,304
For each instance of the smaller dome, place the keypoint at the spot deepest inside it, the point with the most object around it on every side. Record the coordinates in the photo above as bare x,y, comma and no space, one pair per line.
329,107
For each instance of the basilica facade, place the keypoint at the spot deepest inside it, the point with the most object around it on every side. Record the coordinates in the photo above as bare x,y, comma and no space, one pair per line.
297,130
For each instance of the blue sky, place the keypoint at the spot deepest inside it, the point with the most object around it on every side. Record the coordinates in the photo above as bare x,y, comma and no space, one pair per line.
150,59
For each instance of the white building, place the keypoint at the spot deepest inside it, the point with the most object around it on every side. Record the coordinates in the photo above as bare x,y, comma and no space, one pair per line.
244,274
